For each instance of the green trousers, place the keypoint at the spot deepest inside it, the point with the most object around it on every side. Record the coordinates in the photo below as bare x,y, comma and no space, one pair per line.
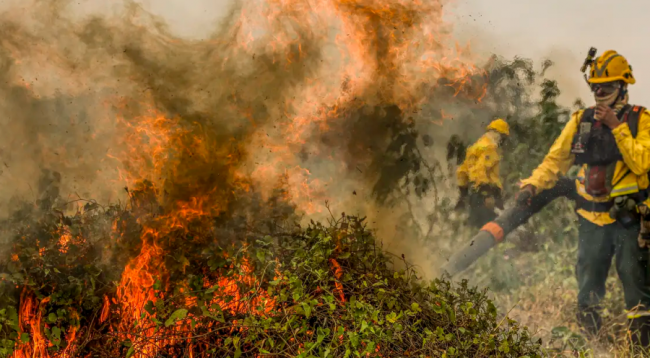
597,246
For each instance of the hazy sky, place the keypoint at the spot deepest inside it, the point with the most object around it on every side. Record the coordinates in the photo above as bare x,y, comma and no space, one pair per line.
563,30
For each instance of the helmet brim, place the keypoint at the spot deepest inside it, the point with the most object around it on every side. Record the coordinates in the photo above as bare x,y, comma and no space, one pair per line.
500,131
630,80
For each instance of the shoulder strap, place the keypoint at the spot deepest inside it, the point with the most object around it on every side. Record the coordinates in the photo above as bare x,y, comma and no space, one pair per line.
623,113
633,116
587,113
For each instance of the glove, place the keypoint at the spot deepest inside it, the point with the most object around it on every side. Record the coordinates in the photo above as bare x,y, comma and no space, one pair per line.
490,202
644,234
644,241
462,200
491,196
525,195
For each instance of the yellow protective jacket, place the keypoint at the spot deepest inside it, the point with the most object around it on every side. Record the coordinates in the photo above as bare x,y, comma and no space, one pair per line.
630,175
481,165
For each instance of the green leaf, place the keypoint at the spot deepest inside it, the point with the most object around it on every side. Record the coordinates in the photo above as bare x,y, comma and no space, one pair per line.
452,314
12,316
237,349
52,318
322,333
306,308
149,307
343,256
219,315
179,314
261,255
24,337
364,325
130,352
492,310
56,332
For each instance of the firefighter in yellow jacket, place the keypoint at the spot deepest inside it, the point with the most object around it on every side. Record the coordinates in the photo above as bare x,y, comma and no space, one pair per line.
478,176
607,149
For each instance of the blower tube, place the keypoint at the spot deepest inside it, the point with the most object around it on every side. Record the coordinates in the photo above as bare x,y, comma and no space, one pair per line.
495,231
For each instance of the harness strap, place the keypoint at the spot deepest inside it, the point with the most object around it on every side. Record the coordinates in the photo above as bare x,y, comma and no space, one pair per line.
592,206
634,125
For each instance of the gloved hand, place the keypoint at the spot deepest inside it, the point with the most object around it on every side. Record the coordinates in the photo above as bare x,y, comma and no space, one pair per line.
462,200
644,240
490,202
491,196
644,234
525,195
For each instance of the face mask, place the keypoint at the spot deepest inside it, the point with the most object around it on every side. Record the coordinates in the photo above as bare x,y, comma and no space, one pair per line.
606,93
497,137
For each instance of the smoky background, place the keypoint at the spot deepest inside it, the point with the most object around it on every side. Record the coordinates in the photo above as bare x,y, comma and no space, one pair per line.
338,105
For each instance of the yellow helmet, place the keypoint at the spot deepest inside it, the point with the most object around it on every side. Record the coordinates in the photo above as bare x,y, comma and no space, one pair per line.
611,66
500,126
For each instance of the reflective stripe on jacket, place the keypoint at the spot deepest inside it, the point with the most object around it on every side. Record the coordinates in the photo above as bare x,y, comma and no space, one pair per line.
630,175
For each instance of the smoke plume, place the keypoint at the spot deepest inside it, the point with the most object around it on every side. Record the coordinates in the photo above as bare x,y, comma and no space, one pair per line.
306,102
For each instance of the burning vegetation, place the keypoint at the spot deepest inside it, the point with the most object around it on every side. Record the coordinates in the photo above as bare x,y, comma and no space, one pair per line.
324,291
217,148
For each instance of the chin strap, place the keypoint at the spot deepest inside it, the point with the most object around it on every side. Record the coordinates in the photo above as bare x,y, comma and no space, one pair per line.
622,95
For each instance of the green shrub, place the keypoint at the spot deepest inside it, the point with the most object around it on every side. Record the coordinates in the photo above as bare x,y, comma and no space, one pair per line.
320,291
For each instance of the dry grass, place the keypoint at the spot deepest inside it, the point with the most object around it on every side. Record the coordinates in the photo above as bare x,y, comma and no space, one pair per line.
548,308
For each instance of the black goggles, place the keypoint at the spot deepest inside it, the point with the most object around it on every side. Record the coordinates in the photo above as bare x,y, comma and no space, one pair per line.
605,88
